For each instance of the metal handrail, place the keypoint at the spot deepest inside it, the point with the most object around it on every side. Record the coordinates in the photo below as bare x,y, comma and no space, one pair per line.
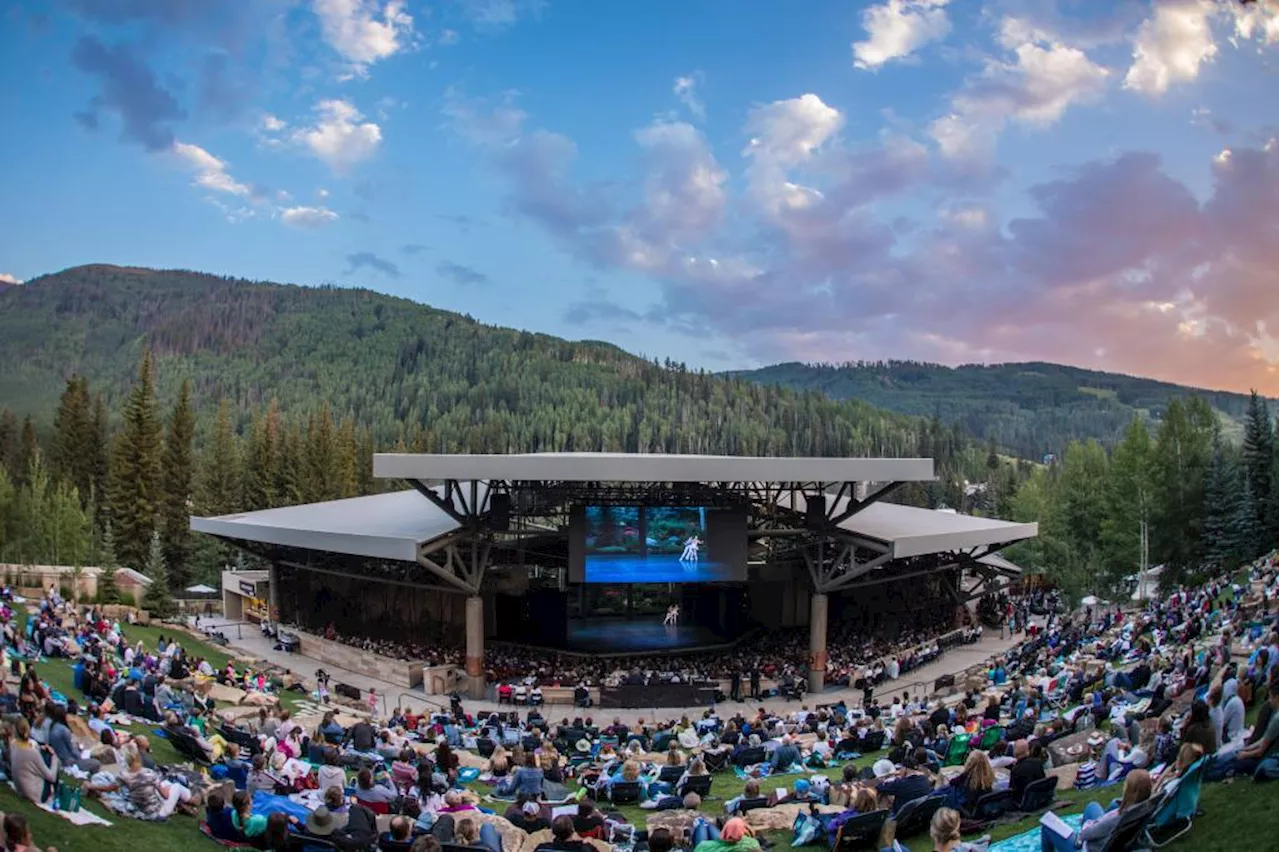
427,701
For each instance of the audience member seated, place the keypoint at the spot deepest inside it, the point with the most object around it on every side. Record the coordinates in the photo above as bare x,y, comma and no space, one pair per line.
1098,824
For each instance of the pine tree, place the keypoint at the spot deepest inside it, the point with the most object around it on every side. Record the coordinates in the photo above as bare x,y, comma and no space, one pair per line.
157,599
262,468
108,588
69,457
221,486
1227,510
28,449
10,432
136,469
345,449
178,476
99,461
320,481
1259,469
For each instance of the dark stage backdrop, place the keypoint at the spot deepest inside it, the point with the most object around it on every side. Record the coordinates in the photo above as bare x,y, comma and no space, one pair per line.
540,617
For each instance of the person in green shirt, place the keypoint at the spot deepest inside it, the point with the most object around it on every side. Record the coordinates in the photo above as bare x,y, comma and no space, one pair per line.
736,836
251,825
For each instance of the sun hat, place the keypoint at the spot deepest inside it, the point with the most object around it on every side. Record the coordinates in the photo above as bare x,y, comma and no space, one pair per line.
802,785
320,822
883,767
530,808
583,745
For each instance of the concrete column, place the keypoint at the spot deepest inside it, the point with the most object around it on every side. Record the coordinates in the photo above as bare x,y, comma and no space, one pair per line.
817,642
475,647
273,593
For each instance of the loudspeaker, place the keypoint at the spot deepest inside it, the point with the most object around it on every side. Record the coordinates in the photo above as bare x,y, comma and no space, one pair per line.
815,510
500,512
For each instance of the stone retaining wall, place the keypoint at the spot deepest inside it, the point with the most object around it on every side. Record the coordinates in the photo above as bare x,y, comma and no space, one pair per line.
406,673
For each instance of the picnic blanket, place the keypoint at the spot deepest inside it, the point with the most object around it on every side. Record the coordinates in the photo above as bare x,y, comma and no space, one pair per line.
764,770
268,803
80,817
1029,841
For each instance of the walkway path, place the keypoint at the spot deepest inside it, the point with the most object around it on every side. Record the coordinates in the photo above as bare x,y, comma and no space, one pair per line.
249,641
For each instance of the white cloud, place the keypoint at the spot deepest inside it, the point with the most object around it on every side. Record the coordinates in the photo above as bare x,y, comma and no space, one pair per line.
785,134
210,172
1036,86
322,193
7,278
364,31
448,38
340,136
899,28
271,124
308,218
1257,20
1171,46
686,89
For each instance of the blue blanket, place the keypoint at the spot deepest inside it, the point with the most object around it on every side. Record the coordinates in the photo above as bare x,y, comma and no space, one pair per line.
1029,841
267,804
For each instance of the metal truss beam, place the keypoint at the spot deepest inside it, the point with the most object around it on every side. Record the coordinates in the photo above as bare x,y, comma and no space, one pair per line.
366,578
855,506
855,572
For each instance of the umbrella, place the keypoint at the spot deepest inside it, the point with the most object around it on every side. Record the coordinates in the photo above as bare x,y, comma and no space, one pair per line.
1087,600
201,589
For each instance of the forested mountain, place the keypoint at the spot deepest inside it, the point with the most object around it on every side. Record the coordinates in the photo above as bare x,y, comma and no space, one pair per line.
1028,409
434,380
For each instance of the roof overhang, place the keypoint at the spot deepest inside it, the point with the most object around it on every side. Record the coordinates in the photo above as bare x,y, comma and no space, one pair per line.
391,526
630,467
908,531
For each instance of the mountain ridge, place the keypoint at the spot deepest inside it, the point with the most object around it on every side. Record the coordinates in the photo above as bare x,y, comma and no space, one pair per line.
1033,407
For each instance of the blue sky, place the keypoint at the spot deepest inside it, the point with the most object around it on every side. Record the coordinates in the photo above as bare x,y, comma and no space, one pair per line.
726,184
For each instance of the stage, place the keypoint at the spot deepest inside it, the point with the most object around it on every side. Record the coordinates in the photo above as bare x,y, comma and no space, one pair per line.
658,568
638,635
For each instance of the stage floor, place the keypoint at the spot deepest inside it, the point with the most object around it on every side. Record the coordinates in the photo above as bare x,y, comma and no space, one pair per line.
622,636
657,568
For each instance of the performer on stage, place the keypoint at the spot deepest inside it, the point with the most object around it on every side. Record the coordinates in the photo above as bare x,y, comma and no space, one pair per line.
673,616
691,545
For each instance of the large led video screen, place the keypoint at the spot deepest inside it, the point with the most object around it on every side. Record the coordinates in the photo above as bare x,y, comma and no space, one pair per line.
659,544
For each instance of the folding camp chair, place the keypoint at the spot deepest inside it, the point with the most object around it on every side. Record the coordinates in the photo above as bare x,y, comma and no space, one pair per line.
700,784
716,761
874,741
485,747
992,806
990,737
747,805
1130,830
670,774
957,751
625,792
1176,812
750,756
860,831
914,816
1039,794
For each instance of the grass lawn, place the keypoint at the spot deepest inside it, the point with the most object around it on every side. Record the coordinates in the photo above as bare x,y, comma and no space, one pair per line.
1237,816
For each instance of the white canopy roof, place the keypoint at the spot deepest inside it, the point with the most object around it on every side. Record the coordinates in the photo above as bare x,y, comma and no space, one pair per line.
395,525
631,467
910,531
380,526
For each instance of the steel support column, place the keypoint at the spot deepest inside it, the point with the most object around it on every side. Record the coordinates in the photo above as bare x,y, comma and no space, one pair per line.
475,647
273,593
817,642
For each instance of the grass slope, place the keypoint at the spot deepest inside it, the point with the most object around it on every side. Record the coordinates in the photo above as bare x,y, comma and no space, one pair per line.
1238,816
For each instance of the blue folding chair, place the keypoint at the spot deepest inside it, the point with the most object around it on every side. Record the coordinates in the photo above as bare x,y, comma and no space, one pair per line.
1177,811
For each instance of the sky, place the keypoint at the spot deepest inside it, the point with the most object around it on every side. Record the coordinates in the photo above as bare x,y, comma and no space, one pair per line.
727,184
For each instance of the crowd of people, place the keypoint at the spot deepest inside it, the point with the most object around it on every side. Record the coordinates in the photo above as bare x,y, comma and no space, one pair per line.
1146,697
858,654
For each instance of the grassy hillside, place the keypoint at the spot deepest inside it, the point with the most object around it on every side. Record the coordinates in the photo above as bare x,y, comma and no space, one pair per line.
1029,409
439,381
